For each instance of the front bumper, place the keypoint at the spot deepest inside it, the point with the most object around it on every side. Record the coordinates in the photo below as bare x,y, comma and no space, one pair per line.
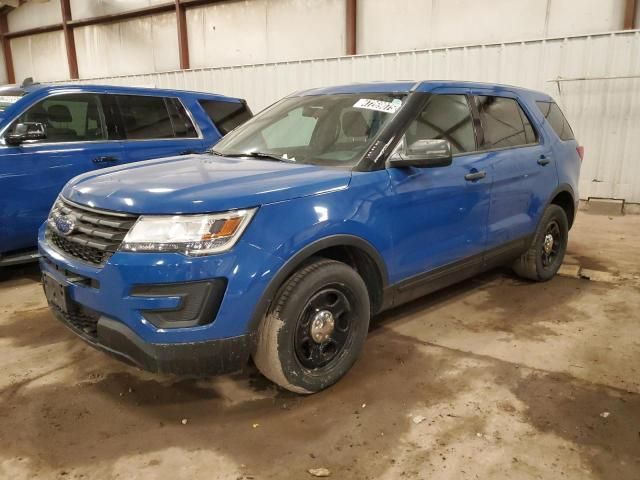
134,307
213,357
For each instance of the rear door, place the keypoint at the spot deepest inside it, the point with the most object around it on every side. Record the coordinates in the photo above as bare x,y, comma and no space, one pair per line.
521,164
33,173
153,126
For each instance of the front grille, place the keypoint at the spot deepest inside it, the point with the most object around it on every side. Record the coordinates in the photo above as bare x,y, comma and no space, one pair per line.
94,235
83,322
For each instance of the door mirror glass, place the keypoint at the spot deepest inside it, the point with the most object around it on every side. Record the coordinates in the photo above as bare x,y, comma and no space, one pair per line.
27,131
422,153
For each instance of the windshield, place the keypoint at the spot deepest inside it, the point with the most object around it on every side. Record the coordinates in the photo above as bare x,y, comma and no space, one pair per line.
7,100
334,130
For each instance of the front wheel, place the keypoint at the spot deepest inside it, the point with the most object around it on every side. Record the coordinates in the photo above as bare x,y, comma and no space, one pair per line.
315,328
546,253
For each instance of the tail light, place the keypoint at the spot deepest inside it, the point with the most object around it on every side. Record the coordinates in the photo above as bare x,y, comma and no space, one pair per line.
580,150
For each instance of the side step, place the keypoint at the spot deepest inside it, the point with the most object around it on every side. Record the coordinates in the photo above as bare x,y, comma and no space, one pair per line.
18,258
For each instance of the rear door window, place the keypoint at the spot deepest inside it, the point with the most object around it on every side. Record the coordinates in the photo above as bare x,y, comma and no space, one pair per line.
146,117
226,115
504,123
446,117
67,118
556,119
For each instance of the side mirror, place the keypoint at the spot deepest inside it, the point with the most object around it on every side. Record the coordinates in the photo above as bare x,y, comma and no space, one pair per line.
422,154
26,131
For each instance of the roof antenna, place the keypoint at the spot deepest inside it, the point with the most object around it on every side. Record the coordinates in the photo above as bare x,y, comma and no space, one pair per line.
27,82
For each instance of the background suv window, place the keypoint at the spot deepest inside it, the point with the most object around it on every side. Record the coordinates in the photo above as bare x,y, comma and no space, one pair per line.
146,117
504,123
556,119
68,118
445,117
226,115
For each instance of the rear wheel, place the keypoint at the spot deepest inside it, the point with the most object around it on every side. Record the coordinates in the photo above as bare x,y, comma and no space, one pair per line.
315,329
546,253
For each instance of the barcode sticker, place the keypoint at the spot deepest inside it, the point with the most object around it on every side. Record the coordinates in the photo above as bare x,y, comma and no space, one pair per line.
378,105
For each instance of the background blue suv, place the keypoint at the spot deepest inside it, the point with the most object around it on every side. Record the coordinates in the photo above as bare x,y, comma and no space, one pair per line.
49,134
330,206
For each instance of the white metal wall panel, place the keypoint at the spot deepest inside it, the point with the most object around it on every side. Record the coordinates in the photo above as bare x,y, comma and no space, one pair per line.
146,43
255,31
96,8
42,56
34,14
604,113
388,25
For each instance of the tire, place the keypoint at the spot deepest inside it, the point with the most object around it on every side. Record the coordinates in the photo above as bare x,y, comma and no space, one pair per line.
541,263
287,352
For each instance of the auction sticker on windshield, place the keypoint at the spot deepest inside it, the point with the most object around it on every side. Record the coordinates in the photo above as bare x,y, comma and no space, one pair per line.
378,105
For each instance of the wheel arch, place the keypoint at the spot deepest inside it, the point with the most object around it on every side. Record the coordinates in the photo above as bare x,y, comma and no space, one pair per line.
564,197
352,250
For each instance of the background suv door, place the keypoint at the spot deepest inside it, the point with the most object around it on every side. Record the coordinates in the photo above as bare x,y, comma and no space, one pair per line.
524,175
153,126
34,172
440,214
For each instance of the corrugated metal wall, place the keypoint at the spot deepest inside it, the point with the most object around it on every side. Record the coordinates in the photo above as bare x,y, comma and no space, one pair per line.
605,113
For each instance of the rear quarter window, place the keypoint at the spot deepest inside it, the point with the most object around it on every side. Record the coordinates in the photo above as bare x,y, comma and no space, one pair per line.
556,119
226,115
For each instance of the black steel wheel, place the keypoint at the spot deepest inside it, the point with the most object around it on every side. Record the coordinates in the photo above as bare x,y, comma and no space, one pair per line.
315,329
548,247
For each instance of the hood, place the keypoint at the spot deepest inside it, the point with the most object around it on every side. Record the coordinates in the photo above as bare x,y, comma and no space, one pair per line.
200,184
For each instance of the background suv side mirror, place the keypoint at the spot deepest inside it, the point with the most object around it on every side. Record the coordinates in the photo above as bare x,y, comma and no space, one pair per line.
422,154
26,131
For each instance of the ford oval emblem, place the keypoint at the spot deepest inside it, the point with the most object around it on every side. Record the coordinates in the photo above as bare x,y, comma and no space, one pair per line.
65,225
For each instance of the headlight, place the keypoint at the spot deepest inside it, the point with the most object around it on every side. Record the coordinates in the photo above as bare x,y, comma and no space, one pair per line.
188,234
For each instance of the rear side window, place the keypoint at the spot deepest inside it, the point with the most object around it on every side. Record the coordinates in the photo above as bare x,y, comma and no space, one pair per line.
226,115
446,117
504,123
147,117
67,118
556,119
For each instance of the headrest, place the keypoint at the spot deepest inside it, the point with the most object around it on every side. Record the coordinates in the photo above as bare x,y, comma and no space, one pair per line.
354,124
59,113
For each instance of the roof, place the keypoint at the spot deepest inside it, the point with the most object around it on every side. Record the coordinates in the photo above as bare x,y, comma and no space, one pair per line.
406,86
18,90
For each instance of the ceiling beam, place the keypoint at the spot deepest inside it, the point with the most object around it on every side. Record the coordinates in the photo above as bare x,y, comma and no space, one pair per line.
69,39
630,9
183,39
6,49
351,27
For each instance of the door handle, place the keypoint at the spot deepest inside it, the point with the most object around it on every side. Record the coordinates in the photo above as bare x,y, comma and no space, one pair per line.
187,152
543,160
105,159
472,177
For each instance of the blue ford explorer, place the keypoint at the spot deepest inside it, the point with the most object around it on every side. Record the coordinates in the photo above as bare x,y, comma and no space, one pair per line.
326,208
49,134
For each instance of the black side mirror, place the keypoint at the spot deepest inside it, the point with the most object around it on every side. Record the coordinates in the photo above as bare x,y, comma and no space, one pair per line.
422,154
26,131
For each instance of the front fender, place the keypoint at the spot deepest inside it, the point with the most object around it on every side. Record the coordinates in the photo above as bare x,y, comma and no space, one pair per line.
297,229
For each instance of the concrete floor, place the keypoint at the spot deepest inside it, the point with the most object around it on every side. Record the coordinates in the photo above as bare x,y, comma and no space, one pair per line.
494,378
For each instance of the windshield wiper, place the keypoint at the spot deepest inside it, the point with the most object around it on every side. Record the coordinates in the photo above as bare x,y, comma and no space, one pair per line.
265,155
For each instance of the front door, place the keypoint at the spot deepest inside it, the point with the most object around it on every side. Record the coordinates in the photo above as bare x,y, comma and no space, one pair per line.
440,214
33,173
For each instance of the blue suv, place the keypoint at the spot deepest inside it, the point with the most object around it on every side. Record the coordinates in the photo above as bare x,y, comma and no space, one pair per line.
324,209
49,134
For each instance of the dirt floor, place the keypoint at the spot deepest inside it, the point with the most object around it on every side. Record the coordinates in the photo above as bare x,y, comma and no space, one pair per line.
495,378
